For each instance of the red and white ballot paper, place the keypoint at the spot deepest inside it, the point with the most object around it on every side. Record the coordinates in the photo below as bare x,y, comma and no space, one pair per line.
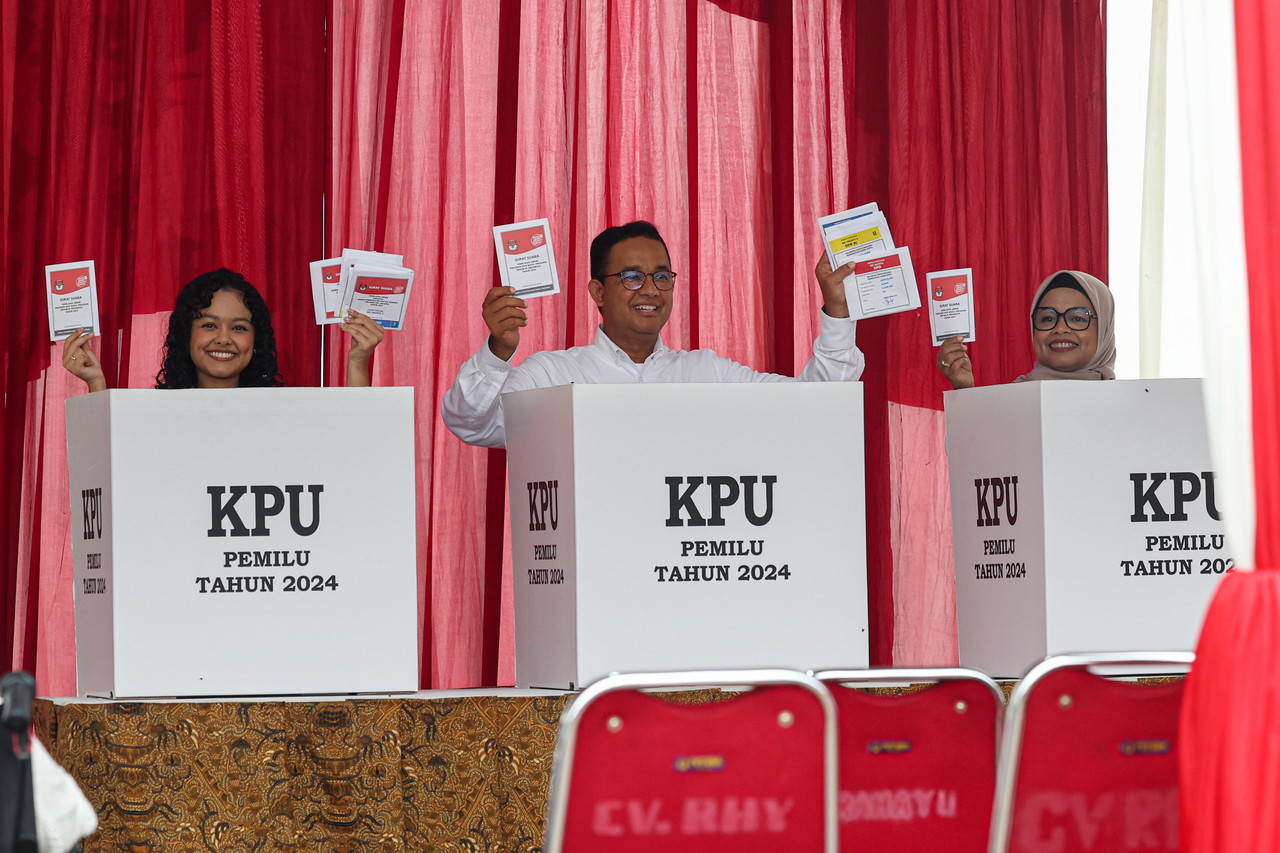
72,291
951,305
525,259
883,279
377,284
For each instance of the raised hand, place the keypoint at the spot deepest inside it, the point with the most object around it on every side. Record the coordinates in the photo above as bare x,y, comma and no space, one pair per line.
504,315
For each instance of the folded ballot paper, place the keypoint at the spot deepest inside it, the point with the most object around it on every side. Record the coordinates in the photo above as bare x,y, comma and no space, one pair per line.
526,261
376,284
951,305
883,279
72,294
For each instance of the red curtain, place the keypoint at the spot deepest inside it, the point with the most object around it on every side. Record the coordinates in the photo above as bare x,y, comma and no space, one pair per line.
1258,71
1230,753
160,140
980,128
733,124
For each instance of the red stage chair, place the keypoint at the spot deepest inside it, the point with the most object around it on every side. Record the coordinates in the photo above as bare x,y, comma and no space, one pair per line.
1089,763
918,770
755,772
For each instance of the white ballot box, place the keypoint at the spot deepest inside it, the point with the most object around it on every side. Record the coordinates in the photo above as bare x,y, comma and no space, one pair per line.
668,527
243,542
1084,519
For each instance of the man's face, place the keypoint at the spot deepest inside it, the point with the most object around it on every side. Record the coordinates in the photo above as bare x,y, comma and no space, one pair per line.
633,316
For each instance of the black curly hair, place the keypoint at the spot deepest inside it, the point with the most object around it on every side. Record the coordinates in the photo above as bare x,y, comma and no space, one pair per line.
178,371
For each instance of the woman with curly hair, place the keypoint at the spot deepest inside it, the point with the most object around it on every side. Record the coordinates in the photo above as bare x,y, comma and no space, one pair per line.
220,336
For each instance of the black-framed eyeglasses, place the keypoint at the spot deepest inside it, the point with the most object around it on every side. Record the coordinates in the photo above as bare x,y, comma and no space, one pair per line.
634,279
1077,319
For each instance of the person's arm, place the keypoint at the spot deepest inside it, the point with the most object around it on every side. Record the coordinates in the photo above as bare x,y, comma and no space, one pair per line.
79,359
472,407
836,357
365,336
953,362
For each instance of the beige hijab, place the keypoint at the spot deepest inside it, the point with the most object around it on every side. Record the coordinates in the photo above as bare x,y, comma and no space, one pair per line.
1102,365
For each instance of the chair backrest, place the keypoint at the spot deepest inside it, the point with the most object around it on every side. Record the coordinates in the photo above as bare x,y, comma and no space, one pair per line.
1089,763
637,772
917,770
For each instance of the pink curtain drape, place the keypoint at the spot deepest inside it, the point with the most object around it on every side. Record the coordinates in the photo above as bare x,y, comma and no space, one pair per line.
732,124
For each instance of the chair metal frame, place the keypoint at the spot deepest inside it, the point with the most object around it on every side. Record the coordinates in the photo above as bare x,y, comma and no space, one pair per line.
1015,721
566,736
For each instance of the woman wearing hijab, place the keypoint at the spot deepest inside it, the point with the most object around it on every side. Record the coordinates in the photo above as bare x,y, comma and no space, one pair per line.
1072,333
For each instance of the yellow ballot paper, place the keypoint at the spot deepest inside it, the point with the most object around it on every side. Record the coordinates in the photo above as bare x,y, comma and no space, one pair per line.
72,292
951,304
525,259
885,285
862,232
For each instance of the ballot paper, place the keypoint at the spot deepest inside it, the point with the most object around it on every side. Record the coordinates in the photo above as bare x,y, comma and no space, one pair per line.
525,259
951,305
381,293
326,289
351,257
884,285
851,235
72,291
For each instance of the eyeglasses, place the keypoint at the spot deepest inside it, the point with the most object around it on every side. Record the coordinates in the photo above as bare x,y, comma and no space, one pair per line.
1046,319
634,279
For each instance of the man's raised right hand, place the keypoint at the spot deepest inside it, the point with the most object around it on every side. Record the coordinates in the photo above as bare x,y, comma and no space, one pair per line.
504,315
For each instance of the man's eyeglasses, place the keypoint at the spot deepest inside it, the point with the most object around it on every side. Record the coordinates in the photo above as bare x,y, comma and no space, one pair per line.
634,279
1046,319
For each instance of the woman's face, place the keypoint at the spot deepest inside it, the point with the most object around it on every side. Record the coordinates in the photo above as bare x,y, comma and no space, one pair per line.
222,341
1062,348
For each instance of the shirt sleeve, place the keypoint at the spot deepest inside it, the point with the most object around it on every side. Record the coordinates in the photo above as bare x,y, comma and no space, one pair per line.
836,357
472,407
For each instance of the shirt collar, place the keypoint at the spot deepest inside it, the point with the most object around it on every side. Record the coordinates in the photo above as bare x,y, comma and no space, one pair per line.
612,350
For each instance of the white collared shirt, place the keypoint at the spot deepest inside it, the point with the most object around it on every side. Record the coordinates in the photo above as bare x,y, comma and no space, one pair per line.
472,407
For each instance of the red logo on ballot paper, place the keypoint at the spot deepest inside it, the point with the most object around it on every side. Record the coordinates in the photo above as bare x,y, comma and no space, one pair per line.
888,262
65,281
523,240
388,286
331,274
949,287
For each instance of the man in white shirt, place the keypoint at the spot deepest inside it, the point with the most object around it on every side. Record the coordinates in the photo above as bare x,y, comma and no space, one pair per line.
631,284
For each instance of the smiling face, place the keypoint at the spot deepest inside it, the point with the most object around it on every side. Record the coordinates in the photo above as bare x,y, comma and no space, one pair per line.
1061,348
222,341
633,318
